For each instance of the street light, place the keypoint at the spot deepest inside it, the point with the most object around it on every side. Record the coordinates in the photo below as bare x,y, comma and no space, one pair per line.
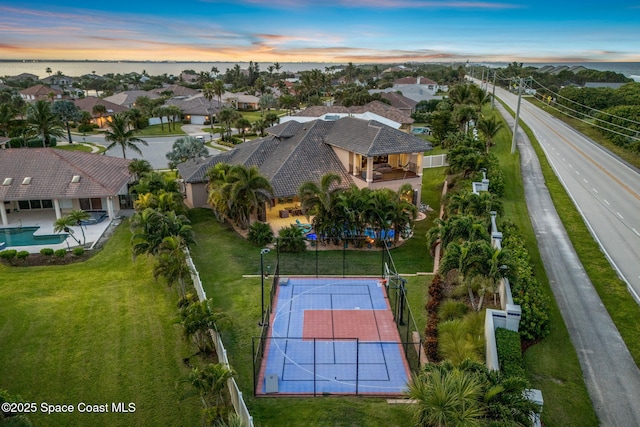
262,252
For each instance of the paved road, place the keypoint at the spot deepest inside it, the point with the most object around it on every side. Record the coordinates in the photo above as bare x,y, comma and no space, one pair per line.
605,189
155,152
611,375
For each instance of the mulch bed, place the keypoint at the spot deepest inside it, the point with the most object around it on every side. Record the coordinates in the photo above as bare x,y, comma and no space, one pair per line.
39,260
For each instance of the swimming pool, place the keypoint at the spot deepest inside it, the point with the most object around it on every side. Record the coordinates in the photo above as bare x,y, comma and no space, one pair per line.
23,236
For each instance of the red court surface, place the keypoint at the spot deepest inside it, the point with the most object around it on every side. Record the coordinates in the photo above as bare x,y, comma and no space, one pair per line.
365,325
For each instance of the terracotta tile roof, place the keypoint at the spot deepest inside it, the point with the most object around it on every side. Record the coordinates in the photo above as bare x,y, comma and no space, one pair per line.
376,107
40,91
87,104
51,171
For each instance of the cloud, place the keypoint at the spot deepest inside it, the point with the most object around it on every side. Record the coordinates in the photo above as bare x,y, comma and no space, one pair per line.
376,4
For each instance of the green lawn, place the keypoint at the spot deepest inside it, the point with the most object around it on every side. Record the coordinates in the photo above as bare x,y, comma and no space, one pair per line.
96,332
156,130
552,364
252,116
74,147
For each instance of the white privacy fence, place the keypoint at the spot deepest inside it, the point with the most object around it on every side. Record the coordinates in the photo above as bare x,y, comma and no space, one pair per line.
435,161
236,395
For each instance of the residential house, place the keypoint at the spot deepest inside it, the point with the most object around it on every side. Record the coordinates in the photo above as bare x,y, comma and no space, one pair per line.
23,76
87,104
37,92
175,90
128,98
196,108
47,179
415,88
365,153
58,80
374,110
401,102
241,101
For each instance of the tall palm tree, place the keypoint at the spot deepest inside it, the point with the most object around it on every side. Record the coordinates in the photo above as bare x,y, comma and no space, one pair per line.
99,110
208,91
489,128
210,382
150,226
174,113
120,134
138,167
227,116
43,122
160,111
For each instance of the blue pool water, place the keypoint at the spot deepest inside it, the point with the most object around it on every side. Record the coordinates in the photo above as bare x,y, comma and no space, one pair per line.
23,236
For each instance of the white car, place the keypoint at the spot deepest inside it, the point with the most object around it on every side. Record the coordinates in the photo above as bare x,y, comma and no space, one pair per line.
200,138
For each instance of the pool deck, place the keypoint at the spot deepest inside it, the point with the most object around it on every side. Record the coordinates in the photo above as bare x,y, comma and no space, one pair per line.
45,220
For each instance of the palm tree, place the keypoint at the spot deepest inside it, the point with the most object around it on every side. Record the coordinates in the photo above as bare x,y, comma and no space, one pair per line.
489,128
197,319
120,134
160,111
77,217
208,91
320,200
138,167
171,263
210,382
446,397
228,116
173,112
99,110
242,125
150,226
42,121
248,193
63,224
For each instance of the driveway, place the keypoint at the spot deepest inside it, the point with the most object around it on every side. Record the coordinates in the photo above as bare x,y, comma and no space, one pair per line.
155,151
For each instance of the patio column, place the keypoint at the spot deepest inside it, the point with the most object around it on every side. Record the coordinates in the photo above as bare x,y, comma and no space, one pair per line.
419,162
369,169
3,214
110,208
56,206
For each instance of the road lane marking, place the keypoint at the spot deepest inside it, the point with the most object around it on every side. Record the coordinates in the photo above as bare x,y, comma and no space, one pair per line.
605,200
596,191
585,180
578,172
636,231
618,213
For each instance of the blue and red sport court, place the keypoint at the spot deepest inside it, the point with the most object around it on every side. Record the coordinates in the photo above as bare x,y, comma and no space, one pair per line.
332,336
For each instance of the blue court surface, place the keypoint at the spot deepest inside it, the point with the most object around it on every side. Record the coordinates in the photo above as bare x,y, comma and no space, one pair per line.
332,336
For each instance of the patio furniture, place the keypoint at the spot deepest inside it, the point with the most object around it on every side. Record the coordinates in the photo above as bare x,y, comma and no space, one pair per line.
306,228
284,213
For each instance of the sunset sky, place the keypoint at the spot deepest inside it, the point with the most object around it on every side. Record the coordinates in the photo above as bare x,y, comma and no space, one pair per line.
360,31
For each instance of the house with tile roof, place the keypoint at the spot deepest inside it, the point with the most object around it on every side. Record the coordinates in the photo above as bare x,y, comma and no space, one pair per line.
175,90
128,97
374,110
87,104
37,92
195,108
415,88
365,153
47,179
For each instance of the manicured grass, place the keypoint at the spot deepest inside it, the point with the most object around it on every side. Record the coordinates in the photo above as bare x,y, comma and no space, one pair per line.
552,364
222,258
156,130
74,147
97,332
252,116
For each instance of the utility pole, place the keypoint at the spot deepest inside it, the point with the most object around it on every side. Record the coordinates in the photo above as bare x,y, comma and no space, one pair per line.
493,93
515,126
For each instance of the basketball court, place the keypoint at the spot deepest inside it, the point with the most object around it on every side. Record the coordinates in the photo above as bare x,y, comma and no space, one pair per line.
332,336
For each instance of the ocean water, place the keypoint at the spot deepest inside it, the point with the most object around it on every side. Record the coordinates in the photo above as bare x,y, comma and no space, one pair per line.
78,68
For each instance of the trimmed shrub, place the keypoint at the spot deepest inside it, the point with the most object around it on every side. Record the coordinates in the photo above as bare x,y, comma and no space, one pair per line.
46,251
78,251
509,353
22,255
260,234
291,239
60,253
8,254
